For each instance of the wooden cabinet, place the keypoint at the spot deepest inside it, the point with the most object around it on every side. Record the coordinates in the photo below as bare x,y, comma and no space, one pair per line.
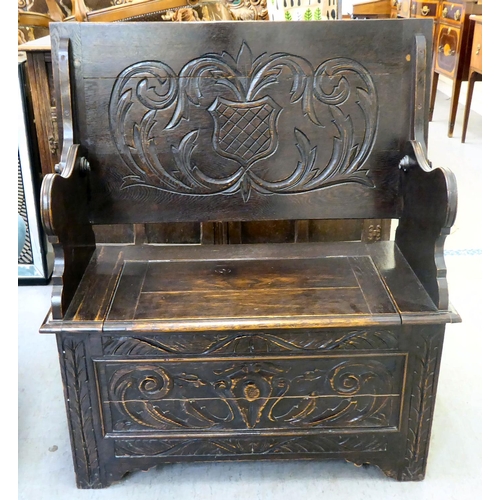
41,93
452,50
423,9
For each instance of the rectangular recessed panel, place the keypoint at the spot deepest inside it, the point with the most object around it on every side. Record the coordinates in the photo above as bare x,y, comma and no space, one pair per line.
244,275
292,393
204,290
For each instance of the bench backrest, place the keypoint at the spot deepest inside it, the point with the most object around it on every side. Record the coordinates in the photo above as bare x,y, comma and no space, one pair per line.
254,120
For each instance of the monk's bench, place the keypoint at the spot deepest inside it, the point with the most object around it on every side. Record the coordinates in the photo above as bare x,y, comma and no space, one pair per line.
304,350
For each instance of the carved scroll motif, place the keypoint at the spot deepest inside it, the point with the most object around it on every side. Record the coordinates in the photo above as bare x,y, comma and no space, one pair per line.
80,414
151,110
248,343
251,395
314,445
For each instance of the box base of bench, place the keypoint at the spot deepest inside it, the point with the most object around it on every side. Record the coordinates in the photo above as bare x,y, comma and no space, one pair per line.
367,398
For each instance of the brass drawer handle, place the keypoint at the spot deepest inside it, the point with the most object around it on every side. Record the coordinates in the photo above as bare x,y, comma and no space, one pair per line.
425,10
457,15
478,49
445,11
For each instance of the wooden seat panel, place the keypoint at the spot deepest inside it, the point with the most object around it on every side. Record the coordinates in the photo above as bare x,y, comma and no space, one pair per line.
247,289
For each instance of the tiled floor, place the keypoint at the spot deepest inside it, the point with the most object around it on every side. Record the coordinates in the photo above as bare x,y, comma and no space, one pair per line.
45,468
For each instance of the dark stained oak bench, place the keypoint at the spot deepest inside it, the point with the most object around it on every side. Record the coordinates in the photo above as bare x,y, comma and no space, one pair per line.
252,351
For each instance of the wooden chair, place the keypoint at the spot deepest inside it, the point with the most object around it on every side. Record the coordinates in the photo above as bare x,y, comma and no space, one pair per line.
31,25
253,351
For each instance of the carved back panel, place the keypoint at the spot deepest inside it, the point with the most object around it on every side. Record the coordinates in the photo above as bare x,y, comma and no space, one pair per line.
242,120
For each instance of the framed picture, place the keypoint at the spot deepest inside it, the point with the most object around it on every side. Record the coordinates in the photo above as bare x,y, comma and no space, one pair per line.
32,255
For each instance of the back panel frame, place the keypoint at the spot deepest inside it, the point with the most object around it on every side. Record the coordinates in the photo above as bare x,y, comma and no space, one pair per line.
204,122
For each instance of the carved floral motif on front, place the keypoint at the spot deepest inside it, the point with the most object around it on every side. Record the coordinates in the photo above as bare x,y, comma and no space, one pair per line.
159,121
337,393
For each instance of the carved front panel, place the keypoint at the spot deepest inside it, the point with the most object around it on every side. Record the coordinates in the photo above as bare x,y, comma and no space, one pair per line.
335,392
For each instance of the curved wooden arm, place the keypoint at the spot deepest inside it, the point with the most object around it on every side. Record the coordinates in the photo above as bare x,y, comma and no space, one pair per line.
64,211
429,211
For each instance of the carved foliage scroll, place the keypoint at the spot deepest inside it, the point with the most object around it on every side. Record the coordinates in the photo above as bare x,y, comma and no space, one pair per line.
173,396
159,120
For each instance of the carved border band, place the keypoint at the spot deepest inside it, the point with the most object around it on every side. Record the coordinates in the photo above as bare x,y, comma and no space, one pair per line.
79,407
249,343
234,446
427,357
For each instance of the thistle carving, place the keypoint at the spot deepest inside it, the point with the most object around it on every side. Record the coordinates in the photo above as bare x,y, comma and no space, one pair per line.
151,108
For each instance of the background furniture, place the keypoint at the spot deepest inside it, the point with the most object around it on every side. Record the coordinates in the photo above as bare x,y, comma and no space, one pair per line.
171,10
475,67
205,352
453,46
31,25
371,9
33,266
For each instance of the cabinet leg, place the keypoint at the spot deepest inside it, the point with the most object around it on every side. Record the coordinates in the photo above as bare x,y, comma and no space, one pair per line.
455,94
435,80
473,77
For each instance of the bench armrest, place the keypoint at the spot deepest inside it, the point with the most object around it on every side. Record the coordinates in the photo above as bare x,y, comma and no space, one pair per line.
429,209
64,211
